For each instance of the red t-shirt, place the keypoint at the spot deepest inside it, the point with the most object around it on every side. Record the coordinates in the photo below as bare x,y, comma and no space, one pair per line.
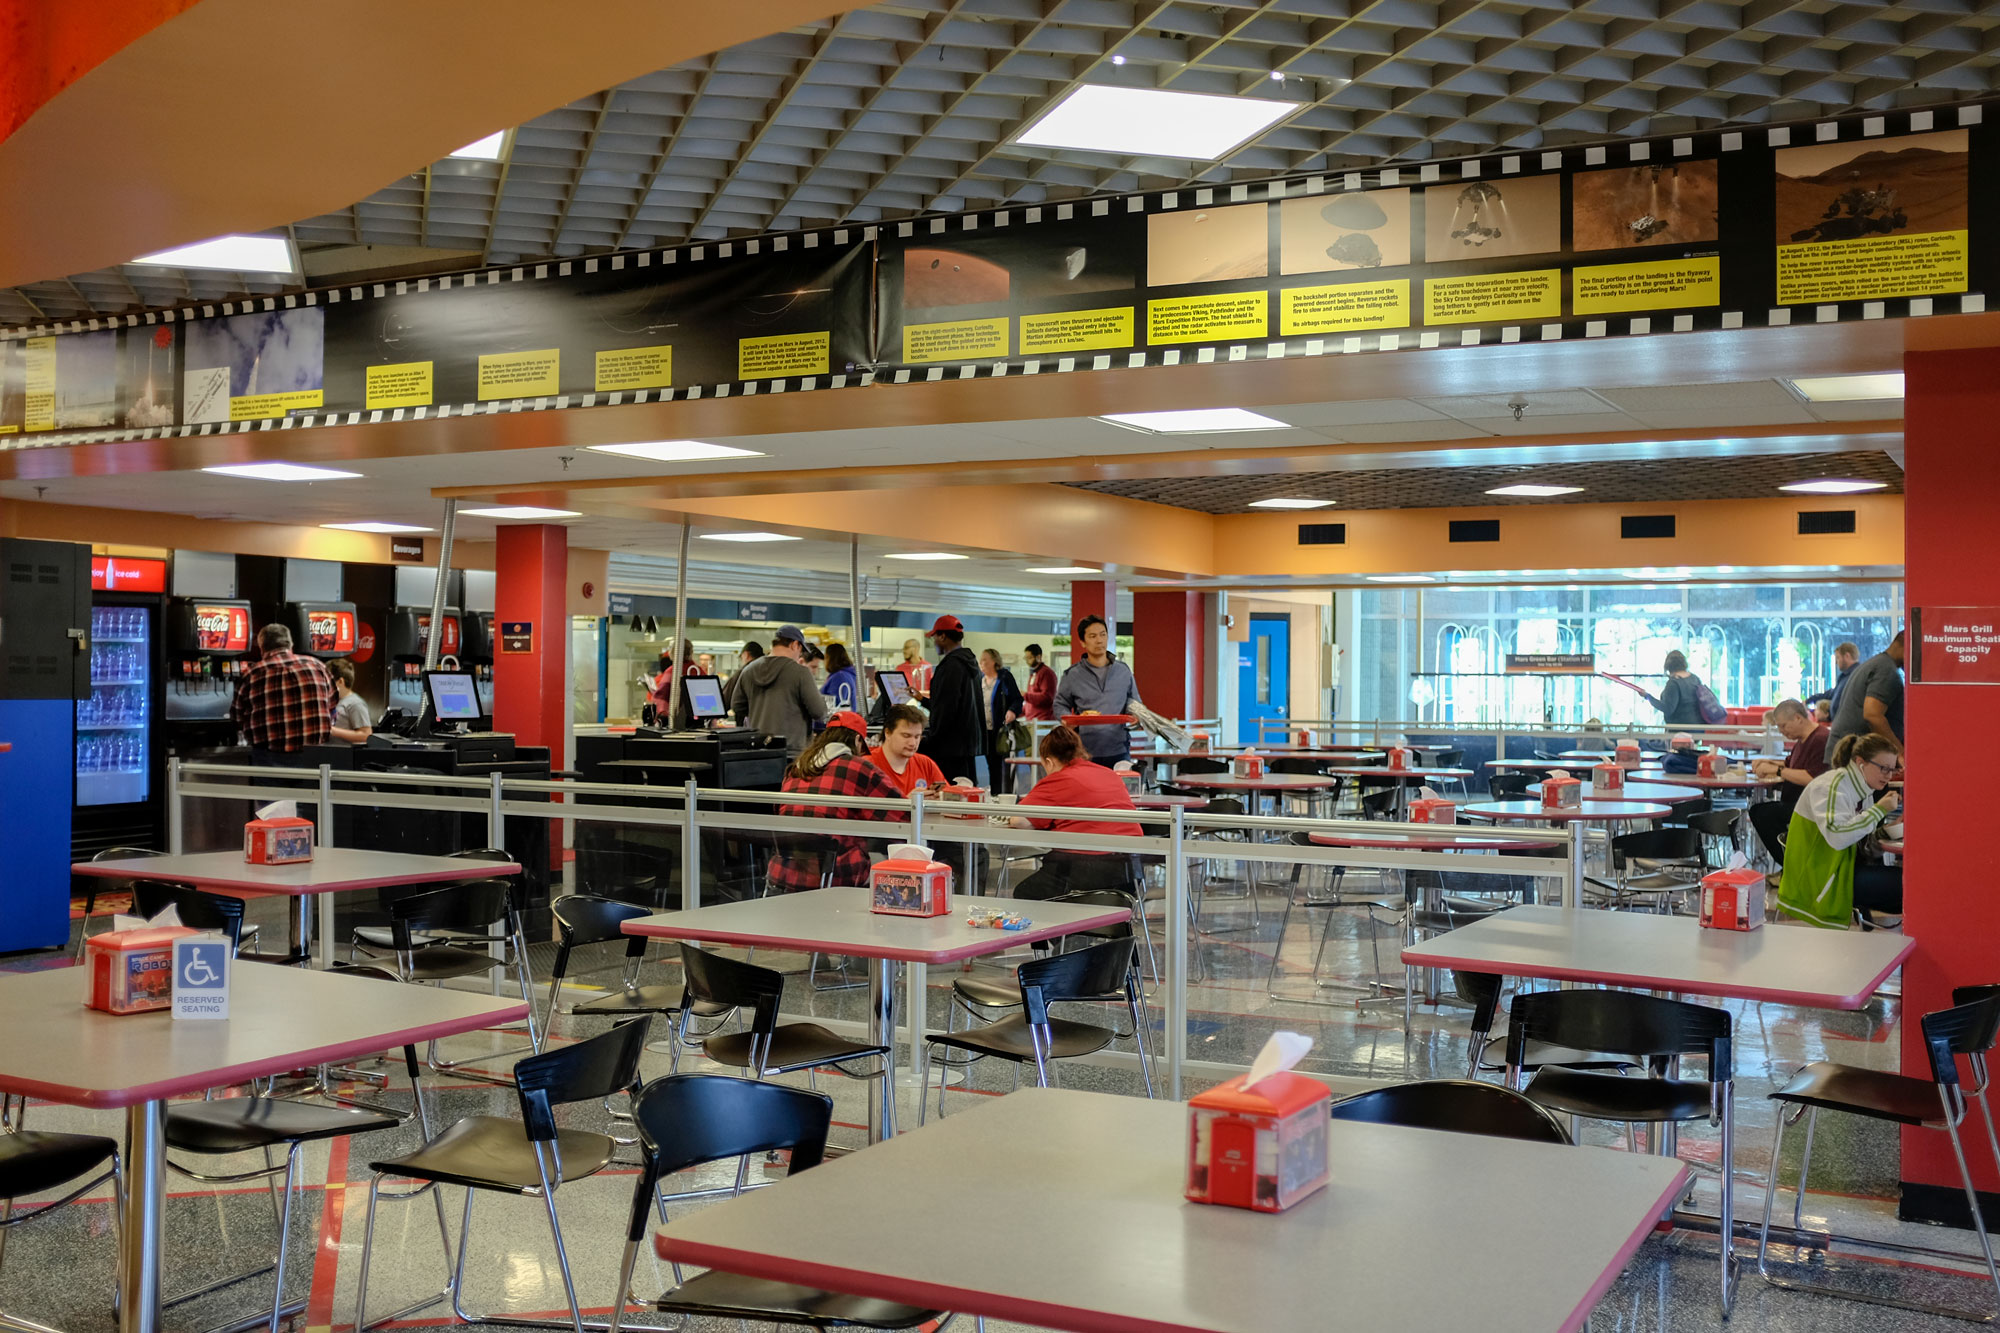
1083,786
921,768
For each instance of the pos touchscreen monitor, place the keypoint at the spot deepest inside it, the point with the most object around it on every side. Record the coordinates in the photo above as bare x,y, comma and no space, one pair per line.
704,696
453,696
895,686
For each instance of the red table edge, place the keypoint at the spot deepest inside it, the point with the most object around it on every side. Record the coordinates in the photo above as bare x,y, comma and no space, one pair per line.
1470,842
1416,956
233,889
112,1098
1044,1314
710,935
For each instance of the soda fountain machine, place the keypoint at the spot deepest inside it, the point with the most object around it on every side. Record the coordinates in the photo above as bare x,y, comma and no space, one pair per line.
208,647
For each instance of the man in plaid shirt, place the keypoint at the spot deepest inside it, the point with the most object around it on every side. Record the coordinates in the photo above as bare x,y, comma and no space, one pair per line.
283,703
836,764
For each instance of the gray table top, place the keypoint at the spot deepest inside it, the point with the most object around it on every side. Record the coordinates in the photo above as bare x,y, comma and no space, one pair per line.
1658,777
1590,812
331,870
1657,791
1821,969
280,1019
1088,1189
838,920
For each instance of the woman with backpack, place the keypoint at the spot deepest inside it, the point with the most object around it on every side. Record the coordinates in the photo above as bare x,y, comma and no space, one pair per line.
1682,700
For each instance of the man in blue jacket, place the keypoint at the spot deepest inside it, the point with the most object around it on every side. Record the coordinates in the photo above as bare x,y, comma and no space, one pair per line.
1099,683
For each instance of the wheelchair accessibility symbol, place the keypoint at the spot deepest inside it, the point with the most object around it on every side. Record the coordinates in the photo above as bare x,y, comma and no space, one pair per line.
199,973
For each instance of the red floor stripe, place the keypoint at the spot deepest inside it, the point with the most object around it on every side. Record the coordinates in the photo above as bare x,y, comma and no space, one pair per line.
326,1262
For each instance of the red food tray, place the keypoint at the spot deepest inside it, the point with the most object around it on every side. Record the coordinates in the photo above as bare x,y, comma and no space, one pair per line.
1096,719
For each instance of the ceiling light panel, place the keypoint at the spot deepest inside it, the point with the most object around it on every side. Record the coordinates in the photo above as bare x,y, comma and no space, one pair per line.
1401,578
1065,569
1289,502
1833,486
487,149
1534,491
1198,421
231,254
927,555
1850,388
522,511
280,472
674,451
1152,122
376,527
747,537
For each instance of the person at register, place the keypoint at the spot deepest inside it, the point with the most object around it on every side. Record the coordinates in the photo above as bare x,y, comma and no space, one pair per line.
777,696
1072,780
350,712
284,703
1825,880
1807,757
663,684
834,766
902,732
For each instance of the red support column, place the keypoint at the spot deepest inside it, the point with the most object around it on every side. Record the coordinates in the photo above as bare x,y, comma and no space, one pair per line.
530,690
1094,597
1952,493
1167,650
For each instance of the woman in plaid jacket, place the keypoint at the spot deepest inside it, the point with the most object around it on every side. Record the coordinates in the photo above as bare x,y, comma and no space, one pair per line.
836,764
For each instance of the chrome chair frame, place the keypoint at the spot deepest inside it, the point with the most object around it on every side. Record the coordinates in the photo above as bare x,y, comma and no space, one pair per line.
13,1113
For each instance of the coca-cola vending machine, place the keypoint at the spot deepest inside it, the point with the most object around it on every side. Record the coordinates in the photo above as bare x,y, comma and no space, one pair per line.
118,751
208,647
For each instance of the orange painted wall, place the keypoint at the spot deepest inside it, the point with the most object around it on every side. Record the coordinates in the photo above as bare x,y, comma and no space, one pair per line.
46,47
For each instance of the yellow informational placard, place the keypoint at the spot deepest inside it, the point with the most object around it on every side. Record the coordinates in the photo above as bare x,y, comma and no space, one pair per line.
1666,284
38,357
9,430
1077,331
635,368
520,374
1494,298
958,340
1206,319
405,384
1348,307
1872,268
785,354
258,406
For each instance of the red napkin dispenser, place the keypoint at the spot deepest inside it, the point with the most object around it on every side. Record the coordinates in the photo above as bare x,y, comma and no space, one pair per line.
1433,810
1607,780
1561,792
1248,766
1626,755
1399,757
273,842
905,886
132,971
1711,765
1262,1148
1732,900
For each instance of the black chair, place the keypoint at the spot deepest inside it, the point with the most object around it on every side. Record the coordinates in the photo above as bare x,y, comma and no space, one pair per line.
1680,812
1458,1106
1967,1029
1198,766
257,1123
36,1161
1319,803
1717,829
1481,990
462,920
1652,865
583,920
979,995
1450,759
1648,1028
1509,786
715,983
531,1156
1034,1034
216,912
1771,820
379,941
1226,805
93,886
1334,900
689,1120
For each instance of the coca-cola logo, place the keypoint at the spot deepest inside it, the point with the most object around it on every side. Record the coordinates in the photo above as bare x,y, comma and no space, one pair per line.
221,629
330,631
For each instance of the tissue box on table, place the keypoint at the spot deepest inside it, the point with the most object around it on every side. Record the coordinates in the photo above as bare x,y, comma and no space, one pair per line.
1249,764
1560,791
909,883
273,842
1433,810
132,970
1400,757
1607,780
1732,899
1258,1141
1626,753
1711,765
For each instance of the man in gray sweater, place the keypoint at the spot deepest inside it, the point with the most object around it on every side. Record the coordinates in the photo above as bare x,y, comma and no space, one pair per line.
1099,683
778,696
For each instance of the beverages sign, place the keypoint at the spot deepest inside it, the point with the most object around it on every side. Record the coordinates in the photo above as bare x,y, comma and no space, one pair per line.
1954,645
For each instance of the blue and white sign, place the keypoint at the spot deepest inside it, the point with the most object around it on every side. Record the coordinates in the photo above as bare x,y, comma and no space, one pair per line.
201,976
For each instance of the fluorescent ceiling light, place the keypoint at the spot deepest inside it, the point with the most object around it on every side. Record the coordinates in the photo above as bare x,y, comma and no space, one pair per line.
1066,569
522,511
1197,421
483,150
1150,122
1850,388
1401,578
232,254
927,555
1650,573
746,537
674,451
1530,489
280,472
1289,502
375,527
1833,486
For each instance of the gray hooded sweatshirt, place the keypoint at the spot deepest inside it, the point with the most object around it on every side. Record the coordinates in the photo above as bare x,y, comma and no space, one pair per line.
777,696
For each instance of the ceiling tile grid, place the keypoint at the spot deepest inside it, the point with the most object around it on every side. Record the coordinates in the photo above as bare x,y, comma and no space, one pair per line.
909,107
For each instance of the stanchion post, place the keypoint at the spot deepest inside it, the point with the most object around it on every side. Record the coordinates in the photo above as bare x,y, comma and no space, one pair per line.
174,834
690,852
1177,947
326,839
1578,841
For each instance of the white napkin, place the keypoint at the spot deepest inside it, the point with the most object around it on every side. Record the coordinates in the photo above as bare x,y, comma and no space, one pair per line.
277,810
1280,1053
904,851
170,917
1425,793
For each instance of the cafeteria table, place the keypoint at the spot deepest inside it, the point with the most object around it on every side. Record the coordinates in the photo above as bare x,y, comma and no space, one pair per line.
1532,765
839,921
1161,801
280,1018
1088,1189
1656,792
1403,778
332,870
1745,781
1589,812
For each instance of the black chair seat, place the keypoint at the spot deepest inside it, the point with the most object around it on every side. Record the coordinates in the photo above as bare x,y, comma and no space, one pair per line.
239,1124
1578,1092
488,1152
999,992
648,1000
448,962
722,1295
32,1161
384,938
1540,1054
1876,1093
1009,1039
1443,919
793,1046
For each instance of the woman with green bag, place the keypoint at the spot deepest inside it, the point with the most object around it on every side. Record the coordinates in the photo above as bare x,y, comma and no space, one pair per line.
1822,883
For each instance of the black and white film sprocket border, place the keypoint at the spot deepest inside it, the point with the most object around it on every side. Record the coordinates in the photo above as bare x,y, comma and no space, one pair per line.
1863,126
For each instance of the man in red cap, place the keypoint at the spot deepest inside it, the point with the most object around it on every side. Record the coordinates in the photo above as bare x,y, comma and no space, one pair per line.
958,728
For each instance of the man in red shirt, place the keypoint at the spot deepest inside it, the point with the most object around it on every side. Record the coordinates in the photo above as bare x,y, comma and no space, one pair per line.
283,703
1040,691
1807,760
897,757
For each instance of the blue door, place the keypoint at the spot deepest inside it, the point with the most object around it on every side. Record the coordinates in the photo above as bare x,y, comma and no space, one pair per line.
1264,679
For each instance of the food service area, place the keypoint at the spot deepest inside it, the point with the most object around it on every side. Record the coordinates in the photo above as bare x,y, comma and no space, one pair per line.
1083,665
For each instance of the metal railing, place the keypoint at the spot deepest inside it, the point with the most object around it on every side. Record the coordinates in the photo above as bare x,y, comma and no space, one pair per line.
1176,838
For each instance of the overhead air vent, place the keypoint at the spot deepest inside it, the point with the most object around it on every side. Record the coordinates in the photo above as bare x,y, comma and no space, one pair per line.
1825,522
1322,534
1646,525
1475,529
